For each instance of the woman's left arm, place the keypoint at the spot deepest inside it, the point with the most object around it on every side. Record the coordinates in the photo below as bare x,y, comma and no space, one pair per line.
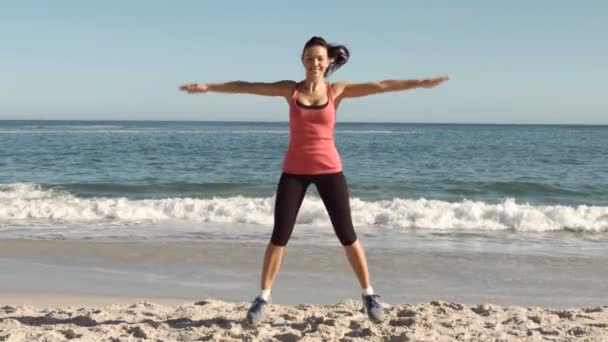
346,89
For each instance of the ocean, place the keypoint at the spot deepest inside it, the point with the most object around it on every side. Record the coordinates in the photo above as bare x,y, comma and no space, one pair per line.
446,189
55,174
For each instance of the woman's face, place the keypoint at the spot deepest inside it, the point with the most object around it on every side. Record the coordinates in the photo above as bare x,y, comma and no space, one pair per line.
315,61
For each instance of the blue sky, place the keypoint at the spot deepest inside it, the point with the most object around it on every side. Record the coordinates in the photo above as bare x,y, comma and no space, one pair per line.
509,61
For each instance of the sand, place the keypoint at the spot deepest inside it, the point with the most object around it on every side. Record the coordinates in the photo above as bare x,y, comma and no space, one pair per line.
152,291
215,320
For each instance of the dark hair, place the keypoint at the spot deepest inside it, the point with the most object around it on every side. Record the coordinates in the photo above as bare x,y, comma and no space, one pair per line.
338,54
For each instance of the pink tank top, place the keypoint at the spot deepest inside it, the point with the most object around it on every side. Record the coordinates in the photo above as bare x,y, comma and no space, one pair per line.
312,149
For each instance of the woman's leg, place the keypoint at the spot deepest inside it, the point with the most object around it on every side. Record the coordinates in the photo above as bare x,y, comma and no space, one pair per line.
333,190
290,193
356,257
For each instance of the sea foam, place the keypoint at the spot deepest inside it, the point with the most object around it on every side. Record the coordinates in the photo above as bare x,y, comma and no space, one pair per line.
21,203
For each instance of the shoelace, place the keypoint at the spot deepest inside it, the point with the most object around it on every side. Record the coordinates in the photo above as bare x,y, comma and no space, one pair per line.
259,300
371,299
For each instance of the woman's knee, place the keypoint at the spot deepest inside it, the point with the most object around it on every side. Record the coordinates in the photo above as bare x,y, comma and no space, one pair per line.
347,238
279,240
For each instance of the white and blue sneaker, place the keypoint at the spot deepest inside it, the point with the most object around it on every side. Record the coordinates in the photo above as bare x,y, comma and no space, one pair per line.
255,314
373,308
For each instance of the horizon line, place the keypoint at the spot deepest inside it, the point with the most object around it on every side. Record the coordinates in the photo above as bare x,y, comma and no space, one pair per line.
338,122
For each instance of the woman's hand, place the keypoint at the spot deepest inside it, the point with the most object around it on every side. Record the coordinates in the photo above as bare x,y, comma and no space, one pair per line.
195,88
433,82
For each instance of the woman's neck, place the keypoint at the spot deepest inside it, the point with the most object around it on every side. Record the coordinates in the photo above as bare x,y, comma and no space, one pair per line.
312,84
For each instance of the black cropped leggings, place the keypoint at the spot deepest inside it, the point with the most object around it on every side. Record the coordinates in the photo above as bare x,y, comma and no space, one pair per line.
334,193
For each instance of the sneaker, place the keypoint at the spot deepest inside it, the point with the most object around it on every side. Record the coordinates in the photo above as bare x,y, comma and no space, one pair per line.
373,308
256,311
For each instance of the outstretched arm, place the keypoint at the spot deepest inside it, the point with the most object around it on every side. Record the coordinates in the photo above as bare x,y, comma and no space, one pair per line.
346,89
281,88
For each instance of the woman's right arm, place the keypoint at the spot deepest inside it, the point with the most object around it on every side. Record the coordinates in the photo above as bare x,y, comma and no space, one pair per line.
280,88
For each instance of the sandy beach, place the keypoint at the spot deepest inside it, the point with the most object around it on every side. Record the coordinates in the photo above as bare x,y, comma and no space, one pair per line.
214,320
155,291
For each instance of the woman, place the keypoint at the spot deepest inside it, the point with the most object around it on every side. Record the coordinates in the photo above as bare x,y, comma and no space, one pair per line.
312,158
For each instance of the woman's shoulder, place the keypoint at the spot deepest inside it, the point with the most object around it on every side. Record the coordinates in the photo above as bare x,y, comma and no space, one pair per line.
337,88
339,84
